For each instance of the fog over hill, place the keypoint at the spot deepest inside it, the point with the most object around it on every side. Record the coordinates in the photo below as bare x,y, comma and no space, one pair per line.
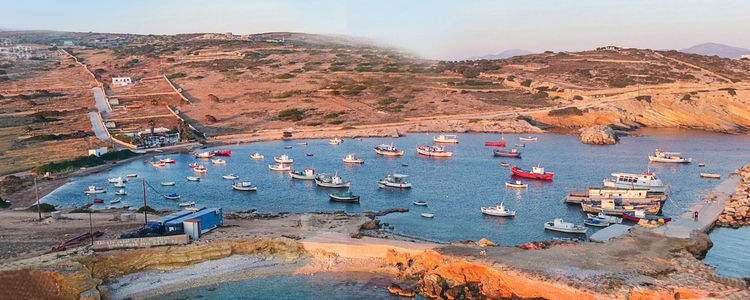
501,55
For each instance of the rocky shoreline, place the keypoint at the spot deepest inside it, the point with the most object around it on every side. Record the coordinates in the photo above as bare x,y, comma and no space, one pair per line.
737,213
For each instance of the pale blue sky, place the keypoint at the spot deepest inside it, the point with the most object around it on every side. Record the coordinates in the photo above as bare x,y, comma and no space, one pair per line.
431,29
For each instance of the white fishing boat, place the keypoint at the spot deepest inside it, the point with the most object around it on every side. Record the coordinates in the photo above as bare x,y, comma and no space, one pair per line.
131,175
434,151
388,150
230,177
498,211
186,204
158,165
561,226
518,184
328,181
446,139
204,155
121,192
596,223
668,157
172,196
94,190
119,185
116,180
200,169
528,139
419,203
167,160
244,186
351,159
648,181
335,141
711,175
219,161
505,165
520,145
279,167
256,155
394,181
171,183
283,159
302,143
604,217
113,201
307,174
426,215
193,178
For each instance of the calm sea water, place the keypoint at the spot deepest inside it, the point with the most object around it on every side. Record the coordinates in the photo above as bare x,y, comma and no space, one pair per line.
454,188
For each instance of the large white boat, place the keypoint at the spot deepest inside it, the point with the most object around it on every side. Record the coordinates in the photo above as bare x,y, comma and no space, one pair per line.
446,139
335,141
668,157
498,211
624,196
395,181
328,181
647,181
116,180
244,186
351,159
283,159
94,190
307,174
561,226
388,150
434,151
279,167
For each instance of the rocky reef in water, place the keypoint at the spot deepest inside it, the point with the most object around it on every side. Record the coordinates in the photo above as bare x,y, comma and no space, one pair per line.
598,135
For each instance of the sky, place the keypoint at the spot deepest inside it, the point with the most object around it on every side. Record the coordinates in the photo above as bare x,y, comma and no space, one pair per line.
430,29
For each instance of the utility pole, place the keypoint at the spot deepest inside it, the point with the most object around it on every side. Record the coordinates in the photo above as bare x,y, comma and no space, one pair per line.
38,208
91,227
145,213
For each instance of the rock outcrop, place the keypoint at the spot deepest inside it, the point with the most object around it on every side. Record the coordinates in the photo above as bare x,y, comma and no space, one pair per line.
598,135
737,213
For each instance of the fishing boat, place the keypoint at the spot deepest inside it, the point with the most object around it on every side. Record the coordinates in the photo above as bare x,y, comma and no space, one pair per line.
504,165
624,196
256,155
527,139
244,186
193,178
221,152
595,223
434,151
287,147
518,185
115,180
610,207
404,164
426,215
279,167
219,161
535,173
328,181
498,211
648,181
131,175
171,183
711,175
283,159
204,155
116,200
394,181
446,139
119,185
309,154
351,159
193,165
561,226
701,165
172,196
419,203
230,177
502,153
121,192
604,217
98,201
94,190
388,150
335,141
638,215
167,160
186,204
495,144
668,157
200,169
344,196
307,174
158,165
520,145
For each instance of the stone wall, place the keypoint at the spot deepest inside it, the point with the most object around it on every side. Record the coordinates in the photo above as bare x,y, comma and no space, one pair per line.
180,239
737,213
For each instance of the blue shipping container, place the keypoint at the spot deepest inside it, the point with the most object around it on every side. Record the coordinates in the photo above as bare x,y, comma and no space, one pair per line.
210,218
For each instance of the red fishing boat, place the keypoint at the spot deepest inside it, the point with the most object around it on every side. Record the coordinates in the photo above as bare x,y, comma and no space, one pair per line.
640,215
495,144
222,152
535,173
98,201
503,153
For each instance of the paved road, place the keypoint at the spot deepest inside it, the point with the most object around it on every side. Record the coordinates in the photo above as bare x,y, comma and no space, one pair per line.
101,102
98,126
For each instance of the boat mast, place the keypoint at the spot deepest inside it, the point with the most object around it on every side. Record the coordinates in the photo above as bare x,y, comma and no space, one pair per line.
36,190
145,211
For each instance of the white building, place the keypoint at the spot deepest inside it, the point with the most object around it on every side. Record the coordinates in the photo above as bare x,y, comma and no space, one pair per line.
746,56
121,81
98,151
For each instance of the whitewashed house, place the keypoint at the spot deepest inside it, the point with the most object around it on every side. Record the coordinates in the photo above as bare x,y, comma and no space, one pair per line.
98,151
121,81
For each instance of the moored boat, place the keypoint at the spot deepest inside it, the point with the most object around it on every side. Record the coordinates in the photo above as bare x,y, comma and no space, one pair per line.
283,159
520,145
496,144
419,203
446,139
668,157
711,175
328,181
244,186
193,165
98,200
638,215
427,215
158,165
434,151
168,183
172,196
230,177
115,180
636,181
94,190
394,181
527,139
351,159
131,175
116,200
256,155
388,150
119,185
302,143
604,217
503,153
518,184
219,161
535,173
200,169
279,167
344,196
595,223
121,192
193,178
609,207
335,141
562,226
185,204
626,196
221,152
203,155
307,174
498,211
504,164
167,160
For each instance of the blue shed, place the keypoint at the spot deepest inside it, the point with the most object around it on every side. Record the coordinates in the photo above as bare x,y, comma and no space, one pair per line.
159,224
210,218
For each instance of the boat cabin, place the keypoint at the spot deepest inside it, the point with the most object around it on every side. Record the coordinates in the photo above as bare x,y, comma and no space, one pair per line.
610,193
537,170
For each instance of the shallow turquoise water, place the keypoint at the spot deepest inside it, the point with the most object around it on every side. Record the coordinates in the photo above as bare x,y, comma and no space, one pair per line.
730,255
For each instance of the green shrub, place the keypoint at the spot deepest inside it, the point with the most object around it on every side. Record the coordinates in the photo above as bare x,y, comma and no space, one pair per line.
387,101
80,210
284,76
44,207
288,94
540,95
336,122
686,97
146,209
291,114
3,203
510,78
526,83
621,82
568,111
177,75
577,97
331,116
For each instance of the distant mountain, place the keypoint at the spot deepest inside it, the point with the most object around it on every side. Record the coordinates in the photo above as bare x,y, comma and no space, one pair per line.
717,49
504,54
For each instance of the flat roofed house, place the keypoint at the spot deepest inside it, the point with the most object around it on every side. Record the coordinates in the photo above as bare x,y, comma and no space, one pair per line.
121,81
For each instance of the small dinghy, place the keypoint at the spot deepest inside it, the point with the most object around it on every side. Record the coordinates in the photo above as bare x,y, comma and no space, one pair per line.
200,169
131,175
604,217
287,147
520,145
309,154
230,177
94,190
256,155
244,186
283,159
219,161
701,165
344,196
505,165
503,153
172,196
710,175
117,200
498,211
518,185
561,226
307,174
351,159
98,201
170,183
193,165
334,181
302,144
595,223
495,144
279,167
193,178
186,204
528,139
420,203
404,164
426,215
158,165
394,181
335,141
167,160
121,192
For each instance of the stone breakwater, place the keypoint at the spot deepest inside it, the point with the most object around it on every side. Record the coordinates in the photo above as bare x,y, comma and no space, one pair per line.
737,213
